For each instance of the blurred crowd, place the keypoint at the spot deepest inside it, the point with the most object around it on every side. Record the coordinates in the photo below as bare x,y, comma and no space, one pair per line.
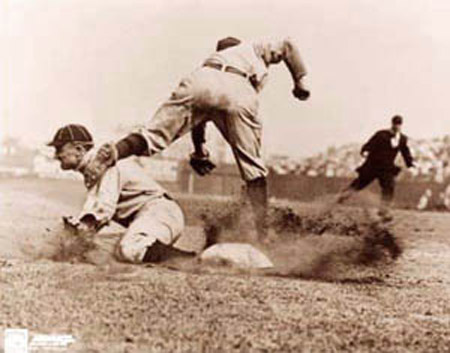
431,162
335,162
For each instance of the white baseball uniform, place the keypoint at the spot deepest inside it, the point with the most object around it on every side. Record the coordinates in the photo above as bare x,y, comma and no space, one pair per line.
227,98
128,195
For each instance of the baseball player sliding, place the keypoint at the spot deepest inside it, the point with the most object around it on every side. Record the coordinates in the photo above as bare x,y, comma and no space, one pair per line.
224,90
125,194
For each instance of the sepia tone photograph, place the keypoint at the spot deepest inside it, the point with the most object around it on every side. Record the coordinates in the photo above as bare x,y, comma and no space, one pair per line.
237,176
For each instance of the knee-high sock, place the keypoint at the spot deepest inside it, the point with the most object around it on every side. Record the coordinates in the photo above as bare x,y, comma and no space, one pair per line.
258,196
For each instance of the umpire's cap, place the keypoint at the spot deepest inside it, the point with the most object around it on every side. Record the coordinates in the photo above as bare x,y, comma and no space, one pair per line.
397,120
71,133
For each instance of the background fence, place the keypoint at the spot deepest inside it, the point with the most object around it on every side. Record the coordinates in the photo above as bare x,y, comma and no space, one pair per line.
225,180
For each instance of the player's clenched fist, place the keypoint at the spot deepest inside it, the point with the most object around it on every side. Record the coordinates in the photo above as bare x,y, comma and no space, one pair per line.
105,158
300,92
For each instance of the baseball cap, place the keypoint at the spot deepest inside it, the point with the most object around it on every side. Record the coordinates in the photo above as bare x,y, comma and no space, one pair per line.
397,120
227,43
71,133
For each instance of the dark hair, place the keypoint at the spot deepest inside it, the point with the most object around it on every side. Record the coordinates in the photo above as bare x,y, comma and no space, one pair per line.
227,43
397,120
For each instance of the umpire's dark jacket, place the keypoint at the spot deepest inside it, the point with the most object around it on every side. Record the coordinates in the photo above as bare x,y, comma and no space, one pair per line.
382,155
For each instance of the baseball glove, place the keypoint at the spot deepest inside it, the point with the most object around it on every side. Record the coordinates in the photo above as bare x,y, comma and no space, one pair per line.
201,164
105,158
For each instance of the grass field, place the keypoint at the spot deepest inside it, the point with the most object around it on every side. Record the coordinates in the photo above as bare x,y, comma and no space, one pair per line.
392,306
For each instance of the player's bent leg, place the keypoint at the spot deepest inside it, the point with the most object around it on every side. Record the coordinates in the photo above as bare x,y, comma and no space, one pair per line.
387,184
356,185
172,120
242,131
160,252
153,232
364,178
133,247
345,194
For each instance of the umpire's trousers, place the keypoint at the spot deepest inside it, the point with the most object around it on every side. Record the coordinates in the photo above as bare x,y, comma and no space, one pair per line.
385,176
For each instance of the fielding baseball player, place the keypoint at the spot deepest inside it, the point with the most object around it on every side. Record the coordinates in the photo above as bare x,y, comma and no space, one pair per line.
224,90
125,194
380,152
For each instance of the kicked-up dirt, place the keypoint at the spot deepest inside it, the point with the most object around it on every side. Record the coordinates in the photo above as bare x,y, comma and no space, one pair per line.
343,282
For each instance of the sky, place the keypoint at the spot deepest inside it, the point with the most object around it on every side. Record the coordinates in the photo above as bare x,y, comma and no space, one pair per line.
104,63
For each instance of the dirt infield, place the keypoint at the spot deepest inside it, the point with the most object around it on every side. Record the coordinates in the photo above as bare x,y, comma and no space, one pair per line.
323,298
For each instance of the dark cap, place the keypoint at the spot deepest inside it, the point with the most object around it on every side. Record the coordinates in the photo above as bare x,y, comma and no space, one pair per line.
71,133
227,43
397,120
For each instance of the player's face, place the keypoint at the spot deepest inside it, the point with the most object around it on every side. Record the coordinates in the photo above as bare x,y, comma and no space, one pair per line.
397,128
69,156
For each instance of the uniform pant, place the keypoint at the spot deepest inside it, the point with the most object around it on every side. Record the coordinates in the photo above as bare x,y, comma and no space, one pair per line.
160,219
226,99
386,179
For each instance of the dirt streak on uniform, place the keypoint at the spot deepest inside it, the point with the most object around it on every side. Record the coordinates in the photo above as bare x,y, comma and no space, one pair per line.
127,195
227,99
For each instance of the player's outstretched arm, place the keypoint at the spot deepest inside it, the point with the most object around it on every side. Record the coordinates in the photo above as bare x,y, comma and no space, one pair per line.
294,62
286,50
100,205
290,54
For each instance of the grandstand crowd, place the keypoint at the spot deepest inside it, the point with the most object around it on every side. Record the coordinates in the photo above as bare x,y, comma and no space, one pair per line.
431,162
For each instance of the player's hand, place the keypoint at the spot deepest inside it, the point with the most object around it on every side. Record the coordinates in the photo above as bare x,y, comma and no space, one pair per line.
201,163
300,92
77,227
105,158
71,224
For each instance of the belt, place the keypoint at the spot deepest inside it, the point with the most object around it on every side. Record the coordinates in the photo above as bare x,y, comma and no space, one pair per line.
227,68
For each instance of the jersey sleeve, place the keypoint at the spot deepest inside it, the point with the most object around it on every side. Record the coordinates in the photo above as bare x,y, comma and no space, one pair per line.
102,199
406,153
286,50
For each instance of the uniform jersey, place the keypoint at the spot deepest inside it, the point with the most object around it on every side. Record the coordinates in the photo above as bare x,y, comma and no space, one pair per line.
122,191
226,98
254,59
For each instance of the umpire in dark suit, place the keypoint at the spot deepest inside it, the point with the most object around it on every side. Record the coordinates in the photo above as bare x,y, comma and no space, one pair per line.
380,152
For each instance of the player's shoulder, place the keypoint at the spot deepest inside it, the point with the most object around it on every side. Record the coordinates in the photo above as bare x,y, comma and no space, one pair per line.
404,137
384,133
380,133
128,165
